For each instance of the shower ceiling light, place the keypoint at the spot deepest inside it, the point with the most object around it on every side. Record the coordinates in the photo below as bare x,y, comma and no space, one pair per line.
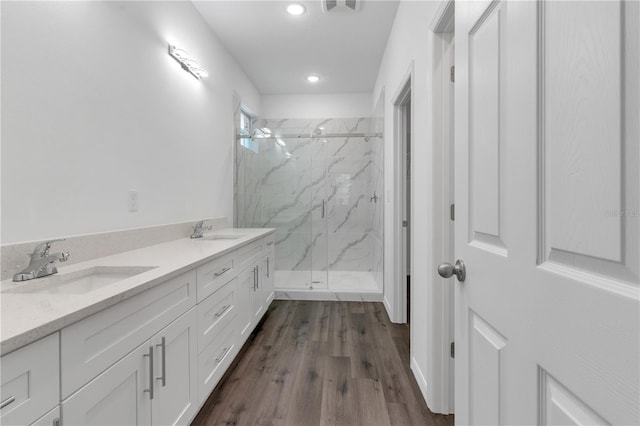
295,9
313,79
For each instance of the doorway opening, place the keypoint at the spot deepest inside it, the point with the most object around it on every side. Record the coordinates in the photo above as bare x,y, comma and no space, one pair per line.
403,131
406,201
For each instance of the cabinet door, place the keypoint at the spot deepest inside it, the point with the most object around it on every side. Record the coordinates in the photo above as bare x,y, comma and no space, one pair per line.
52,418
175,372
115,397
258,298
30,381
246,286
94,344
266,279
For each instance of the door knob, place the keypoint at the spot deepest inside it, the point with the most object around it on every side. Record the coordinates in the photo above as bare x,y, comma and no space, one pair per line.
446,270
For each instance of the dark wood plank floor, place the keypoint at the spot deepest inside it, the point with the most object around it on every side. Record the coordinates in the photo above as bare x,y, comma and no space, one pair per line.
321,363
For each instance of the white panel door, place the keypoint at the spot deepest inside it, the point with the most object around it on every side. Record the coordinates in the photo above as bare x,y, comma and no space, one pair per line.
547,214
175,372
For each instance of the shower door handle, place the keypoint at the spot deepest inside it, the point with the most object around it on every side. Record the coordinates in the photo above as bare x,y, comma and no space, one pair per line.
322,213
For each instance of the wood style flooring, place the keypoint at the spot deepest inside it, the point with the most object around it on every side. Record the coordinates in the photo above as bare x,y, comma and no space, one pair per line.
321,363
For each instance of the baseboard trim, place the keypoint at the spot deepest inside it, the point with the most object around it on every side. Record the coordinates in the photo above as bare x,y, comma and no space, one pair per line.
420,379
390,312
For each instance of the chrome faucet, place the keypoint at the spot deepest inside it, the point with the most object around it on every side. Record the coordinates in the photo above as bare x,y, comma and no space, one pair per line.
198,229
41,263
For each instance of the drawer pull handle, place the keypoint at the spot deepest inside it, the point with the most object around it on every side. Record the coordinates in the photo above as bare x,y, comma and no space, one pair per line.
7,402
150,355
225,269
163,378
219,314
270,244
224,353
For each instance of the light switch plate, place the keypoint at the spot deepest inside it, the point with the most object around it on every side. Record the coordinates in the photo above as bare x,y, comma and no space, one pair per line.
133,200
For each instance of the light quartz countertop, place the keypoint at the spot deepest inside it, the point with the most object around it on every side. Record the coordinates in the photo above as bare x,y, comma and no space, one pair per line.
27,317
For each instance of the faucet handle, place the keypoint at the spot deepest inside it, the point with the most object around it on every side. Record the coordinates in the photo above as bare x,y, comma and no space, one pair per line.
42,249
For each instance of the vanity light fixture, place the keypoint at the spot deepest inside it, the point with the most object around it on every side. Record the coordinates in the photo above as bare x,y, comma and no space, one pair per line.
187,63
295,9
313,78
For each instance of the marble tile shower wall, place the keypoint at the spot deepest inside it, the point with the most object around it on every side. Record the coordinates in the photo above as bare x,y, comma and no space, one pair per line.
284,183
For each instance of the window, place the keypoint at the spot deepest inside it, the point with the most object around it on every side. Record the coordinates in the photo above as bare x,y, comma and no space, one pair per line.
246,122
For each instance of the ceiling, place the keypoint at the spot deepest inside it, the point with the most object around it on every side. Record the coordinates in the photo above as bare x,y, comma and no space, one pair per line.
278,51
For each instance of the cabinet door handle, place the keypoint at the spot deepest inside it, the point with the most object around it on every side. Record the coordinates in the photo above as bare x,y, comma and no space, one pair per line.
7,401
150,355
225,269
257,278
222,311
164,362
224,353
267,267
322,214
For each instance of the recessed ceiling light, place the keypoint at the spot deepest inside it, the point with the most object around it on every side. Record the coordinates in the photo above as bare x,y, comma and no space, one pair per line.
313,79
295,9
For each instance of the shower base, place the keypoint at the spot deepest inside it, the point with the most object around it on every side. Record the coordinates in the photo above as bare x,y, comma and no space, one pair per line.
318,285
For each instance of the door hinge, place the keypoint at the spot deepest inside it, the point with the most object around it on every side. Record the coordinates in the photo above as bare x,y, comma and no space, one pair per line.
453,349
452,212
453,74
404,223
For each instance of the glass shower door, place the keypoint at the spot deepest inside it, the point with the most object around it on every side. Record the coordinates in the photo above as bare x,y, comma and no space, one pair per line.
286,189
319,214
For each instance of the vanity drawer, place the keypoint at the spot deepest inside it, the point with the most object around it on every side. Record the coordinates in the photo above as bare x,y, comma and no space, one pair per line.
30,381
249,254
213,275
216,312
92,345
215,359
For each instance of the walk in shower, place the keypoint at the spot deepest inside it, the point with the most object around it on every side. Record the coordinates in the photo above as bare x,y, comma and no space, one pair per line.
319,183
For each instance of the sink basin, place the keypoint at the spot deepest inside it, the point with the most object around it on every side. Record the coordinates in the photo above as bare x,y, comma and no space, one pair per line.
79,282
222,237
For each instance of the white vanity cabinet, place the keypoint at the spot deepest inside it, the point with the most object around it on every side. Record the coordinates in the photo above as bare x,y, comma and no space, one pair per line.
155,384
94,344
227,316
150,359
30,383
116,362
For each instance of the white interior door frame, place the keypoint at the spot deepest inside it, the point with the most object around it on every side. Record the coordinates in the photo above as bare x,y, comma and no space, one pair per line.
402,96
440,374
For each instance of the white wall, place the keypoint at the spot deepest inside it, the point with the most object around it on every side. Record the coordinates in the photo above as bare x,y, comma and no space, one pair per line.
312,106
92,106
411,45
